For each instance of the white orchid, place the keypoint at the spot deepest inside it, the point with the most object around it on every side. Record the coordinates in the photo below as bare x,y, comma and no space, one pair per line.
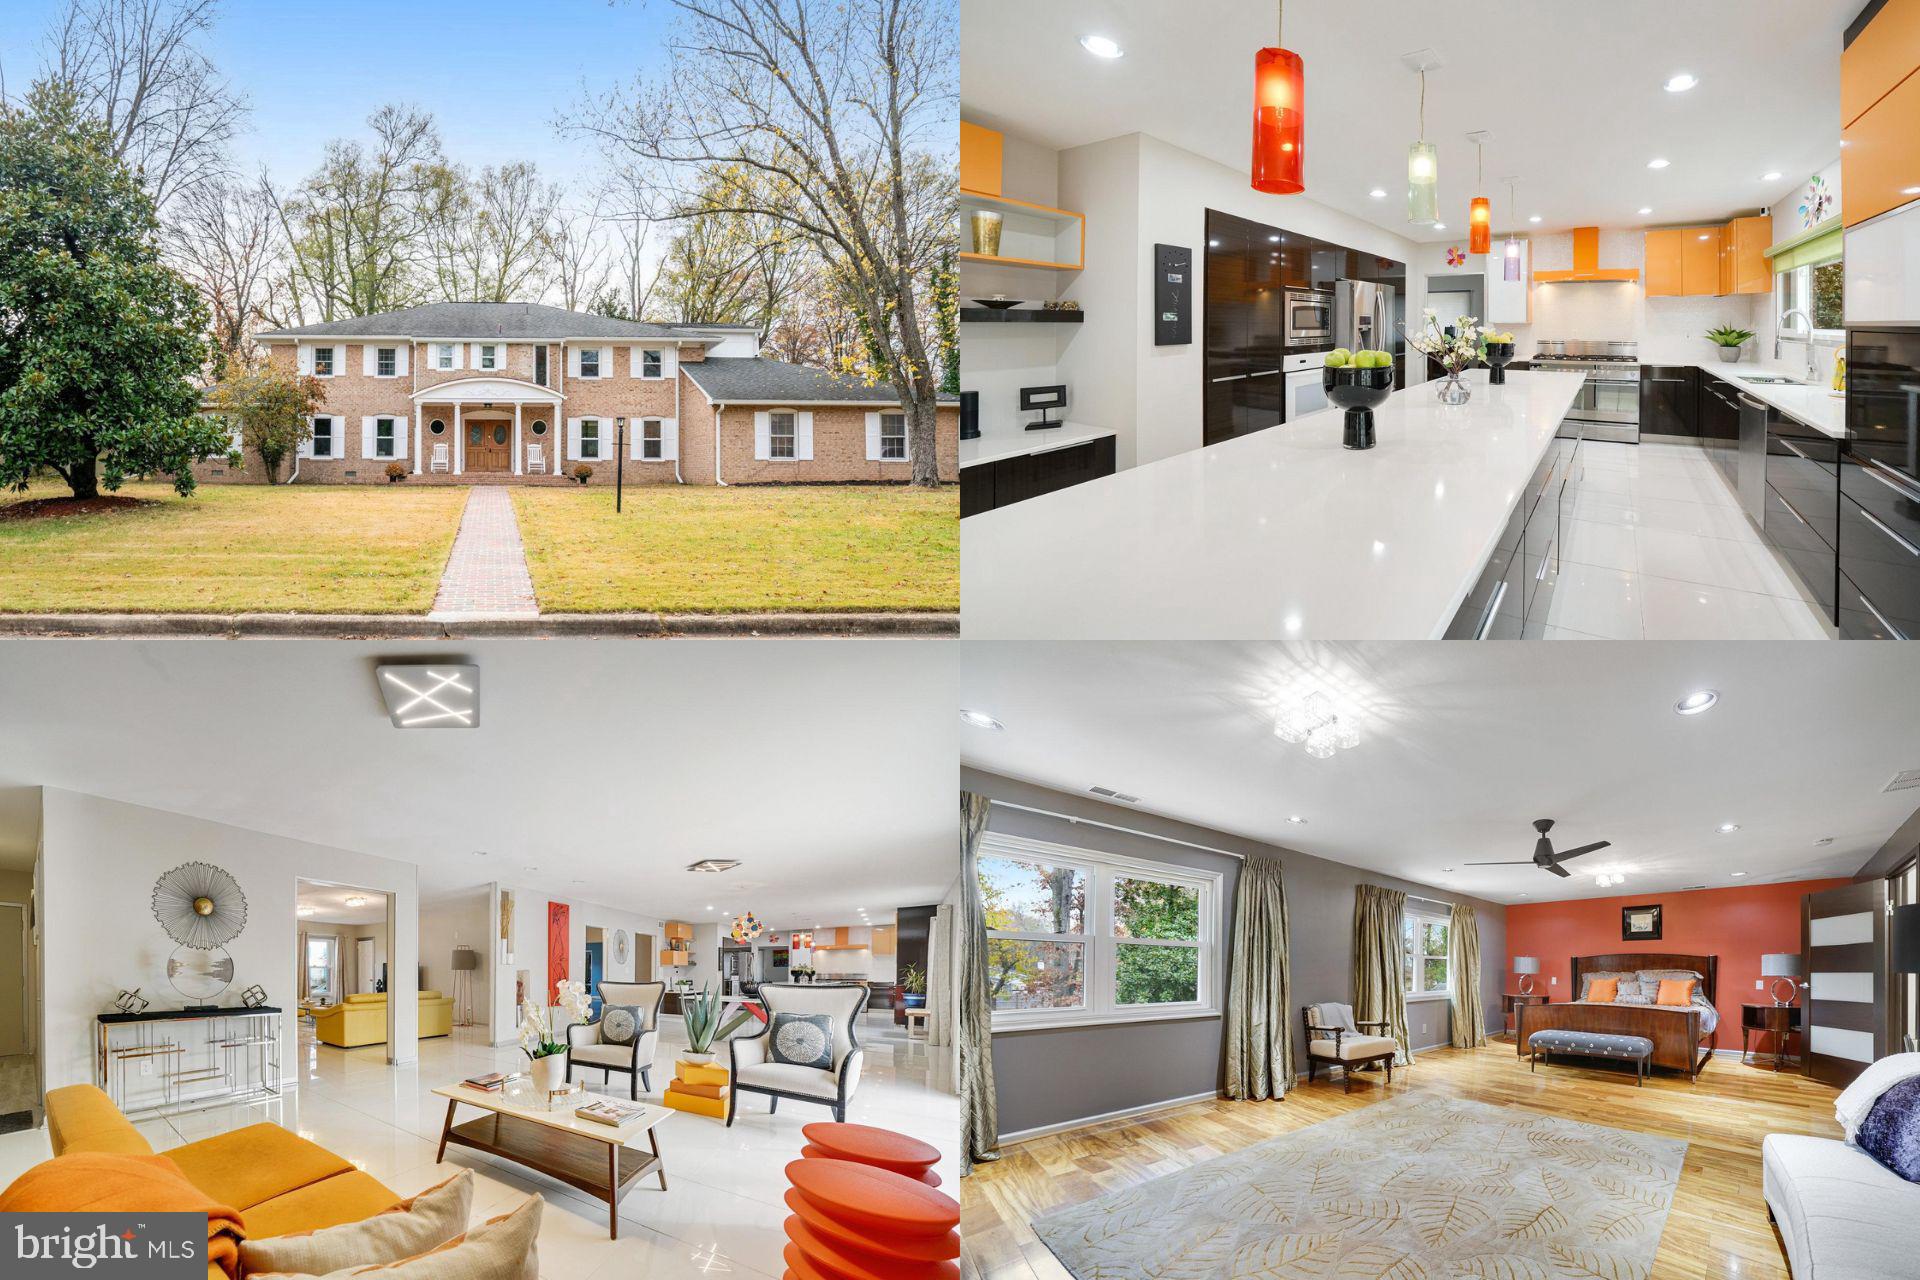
536,1022
1455,351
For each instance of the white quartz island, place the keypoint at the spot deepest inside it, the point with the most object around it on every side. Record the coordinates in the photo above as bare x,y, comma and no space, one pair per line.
1277,535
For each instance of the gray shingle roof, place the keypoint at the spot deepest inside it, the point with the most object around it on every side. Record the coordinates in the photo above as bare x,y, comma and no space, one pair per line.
485,320
757,380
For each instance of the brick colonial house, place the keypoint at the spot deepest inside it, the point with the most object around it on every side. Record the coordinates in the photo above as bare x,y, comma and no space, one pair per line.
480,392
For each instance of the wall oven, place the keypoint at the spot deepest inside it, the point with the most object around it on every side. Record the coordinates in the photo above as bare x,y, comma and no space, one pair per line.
1306,390
1307,318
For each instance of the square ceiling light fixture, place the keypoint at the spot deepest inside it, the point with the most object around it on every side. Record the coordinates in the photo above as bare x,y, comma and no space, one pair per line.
714,864
431,695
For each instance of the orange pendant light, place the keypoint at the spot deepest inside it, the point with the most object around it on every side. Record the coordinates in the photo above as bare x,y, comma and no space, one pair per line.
1279,120
1480,215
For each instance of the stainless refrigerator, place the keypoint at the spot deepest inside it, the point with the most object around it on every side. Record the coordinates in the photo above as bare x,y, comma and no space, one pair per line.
1366,317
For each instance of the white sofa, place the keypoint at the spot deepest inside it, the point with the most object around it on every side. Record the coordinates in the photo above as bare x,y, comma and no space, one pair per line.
1842,1215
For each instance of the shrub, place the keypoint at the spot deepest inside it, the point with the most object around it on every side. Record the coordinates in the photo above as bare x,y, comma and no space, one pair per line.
396,472
583,473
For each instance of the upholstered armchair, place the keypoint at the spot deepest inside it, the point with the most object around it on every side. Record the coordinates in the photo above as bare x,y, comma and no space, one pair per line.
1334,1039
588,1044
755,1069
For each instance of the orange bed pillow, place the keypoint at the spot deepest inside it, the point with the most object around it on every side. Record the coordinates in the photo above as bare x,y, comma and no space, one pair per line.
1675,992
1603,990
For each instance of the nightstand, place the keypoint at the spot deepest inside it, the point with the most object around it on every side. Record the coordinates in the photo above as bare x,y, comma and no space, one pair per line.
1514,1000
1777,1020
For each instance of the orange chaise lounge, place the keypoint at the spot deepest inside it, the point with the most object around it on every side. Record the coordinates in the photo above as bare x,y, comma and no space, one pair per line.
278,1181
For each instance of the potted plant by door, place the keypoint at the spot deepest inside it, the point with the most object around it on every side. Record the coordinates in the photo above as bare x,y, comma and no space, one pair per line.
702,1016
547,1054
1730,341
913,988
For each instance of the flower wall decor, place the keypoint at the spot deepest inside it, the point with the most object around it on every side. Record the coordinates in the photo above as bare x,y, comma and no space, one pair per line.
1455,258
1815,203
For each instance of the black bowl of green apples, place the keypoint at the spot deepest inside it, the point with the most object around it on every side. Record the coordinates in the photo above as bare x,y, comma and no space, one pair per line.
1358,381
1498,353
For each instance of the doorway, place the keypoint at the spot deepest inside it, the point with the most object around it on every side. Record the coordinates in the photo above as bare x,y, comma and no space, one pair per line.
596,967
19,1064
489,445
343,949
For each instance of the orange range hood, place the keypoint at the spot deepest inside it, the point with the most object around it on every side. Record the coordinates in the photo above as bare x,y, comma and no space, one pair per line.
1586,264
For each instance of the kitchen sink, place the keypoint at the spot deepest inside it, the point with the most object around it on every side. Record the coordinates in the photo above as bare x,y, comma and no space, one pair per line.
1771,379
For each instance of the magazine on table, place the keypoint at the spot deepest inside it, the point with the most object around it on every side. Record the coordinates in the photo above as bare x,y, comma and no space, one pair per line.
608,1111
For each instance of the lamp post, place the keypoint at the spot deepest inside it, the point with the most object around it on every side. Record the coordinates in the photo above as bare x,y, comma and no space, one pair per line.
619,461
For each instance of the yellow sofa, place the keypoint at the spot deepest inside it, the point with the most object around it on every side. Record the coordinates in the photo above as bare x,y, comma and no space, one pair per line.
278,1181
362,1019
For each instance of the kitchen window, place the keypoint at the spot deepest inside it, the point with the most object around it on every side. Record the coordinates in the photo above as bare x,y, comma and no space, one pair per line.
384,362
590,362
323,437
443,356
383,437
1078,935
650,364
652,442
323,362
589,437
780,429
893,436
1425,954
1817,290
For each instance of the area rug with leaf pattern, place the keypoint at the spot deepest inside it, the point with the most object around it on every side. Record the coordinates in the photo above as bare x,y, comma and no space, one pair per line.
1418,1187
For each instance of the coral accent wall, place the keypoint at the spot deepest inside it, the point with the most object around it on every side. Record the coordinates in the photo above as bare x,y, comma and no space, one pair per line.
1737,924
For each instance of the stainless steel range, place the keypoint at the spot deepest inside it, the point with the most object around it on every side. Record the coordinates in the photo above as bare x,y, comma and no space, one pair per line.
1608,406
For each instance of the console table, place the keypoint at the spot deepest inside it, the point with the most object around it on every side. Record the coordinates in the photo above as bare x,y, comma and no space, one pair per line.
1779,1020
196,1057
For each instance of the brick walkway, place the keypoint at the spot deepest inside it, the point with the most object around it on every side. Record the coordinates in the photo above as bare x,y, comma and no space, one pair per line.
486,576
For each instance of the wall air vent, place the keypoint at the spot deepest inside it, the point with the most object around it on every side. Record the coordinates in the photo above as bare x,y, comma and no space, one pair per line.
1903,781
714,864
1108,793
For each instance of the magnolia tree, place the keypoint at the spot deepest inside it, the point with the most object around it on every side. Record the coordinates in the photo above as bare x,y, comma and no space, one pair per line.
100,341
273,407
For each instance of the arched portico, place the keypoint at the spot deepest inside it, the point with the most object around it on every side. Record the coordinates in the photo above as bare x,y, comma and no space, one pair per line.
485,424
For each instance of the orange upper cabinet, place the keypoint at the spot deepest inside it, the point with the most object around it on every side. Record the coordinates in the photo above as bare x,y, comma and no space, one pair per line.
1664,250
1747,240
1884,53
1700,261
980,159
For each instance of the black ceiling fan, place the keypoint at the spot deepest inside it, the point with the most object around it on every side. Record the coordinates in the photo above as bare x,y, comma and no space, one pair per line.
1543,855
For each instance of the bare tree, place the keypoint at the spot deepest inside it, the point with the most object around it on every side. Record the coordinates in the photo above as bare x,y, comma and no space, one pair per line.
134,65
227,239
487,238
580,258
839,108
728,267
633,205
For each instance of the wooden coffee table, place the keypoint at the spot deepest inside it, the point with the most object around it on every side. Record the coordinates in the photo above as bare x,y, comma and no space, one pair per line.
586,1154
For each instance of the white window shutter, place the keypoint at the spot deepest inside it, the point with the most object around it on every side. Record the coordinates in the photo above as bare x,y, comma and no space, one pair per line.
803,437
606,361
669,361
366,359
873,437
402,427
670,439
366,437
459,355
573,439
633,362
573,362
762,436
305,359
400,358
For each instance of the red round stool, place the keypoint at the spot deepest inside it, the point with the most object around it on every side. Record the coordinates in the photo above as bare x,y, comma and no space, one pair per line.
812,1152
881,1148
857,1222
910,1249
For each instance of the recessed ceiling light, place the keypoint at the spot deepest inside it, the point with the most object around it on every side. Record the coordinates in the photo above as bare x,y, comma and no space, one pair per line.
1770,176
1296,820
1682,82
1533,217
1727,828
1738,875
714,864
1696,702
980,720
431,695
1377,194
1658,163
1101,47
1646,210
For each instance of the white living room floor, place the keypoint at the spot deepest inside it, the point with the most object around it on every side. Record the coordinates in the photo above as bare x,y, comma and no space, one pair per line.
722,1210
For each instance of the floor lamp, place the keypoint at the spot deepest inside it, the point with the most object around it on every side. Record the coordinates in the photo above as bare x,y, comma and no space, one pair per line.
465,961
1906,954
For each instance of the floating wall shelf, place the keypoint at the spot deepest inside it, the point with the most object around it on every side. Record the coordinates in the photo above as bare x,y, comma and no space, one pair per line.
1031,235
1015,315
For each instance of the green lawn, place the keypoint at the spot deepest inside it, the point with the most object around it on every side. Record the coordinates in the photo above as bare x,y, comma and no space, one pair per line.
233,549
708,550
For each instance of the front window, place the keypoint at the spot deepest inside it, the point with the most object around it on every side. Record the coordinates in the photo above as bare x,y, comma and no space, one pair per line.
443,356
384,362
650,364
893,435
323,437
323,362
590,362
780,430
1075,935
1424,943
1817,290
383,437
652,439
540,365
589,437
489,356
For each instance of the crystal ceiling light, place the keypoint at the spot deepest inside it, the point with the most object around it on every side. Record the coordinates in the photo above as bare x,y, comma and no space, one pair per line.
1315,724
431,695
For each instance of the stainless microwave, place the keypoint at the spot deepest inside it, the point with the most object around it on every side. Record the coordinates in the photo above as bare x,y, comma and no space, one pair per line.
1307,318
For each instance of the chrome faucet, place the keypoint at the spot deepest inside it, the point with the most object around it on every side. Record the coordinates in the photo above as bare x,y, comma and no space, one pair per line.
1776,339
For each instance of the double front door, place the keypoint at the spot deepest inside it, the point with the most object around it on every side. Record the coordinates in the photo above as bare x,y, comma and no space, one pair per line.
489,444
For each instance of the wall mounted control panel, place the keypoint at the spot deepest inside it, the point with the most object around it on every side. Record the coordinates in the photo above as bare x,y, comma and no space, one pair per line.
1172,295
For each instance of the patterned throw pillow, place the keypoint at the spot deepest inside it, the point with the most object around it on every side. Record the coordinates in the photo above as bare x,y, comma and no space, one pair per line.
803,1040
411,1227
1891,1131
620,1023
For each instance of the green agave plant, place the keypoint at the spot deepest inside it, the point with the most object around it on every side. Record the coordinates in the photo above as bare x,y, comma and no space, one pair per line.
1728,336
702,1016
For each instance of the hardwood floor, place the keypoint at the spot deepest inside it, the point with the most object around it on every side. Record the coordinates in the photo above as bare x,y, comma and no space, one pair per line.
1718,1227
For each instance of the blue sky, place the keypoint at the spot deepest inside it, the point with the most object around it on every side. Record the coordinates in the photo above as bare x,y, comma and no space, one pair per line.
493,73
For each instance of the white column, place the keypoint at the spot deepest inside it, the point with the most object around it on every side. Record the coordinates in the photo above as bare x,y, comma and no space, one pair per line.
416,439
459,442
517,453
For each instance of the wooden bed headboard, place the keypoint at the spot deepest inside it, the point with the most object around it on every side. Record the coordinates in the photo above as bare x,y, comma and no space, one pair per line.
1619,961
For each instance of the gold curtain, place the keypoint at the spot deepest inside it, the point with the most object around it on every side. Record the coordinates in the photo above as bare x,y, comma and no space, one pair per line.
1379,969
1463,958
1259,990
979,1105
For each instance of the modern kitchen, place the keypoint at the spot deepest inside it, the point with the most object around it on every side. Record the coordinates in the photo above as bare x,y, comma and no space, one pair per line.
1279,324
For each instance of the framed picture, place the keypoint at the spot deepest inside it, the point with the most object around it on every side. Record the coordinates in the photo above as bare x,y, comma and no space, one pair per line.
1640,924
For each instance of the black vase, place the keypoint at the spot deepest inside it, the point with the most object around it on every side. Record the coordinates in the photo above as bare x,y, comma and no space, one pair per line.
1499,356
1358,391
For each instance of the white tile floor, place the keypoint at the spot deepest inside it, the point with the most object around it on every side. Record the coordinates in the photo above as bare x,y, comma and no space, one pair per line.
1658,549
721,1212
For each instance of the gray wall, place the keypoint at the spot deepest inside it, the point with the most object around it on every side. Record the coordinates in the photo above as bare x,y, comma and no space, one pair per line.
1059,1075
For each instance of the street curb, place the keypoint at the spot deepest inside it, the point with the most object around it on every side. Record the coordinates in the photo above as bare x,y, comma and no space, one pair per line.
417,627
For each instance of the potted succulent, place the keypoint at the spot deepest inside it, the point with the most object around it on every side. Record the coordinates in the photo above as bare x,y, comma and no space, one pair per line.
537,1035
913,987
1453,352
1730,341
702,1016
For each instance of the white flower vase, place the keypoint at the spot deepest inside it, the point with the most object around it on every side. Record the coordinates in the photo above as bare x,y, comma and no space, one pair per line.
1453,390
550,1073
701,1059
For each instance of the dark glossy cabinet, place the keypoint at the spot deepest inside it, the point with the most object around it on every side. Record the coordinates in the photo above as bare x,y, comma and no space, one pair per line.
1514,593
1801,517
1669,400
1717,412
1032,475
1879,582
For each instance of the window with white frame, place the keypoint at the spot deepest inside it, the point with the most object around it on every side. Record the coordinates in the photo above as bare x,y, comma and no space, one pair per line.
650,364
589,362
385,361
489,356
1817,290
780,434
590,437
383,437
443,356
652,439
1424,939
1077,935
893,436
323,362
323,437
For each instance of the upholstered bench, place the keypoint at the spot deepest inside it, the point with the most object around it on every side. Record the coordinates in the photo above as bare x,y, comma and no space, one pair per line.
1591,1044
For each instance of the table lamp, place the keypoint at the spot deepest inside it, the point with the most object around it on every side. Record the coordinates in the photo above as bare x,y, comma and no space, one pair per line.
1526,967
1781,966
